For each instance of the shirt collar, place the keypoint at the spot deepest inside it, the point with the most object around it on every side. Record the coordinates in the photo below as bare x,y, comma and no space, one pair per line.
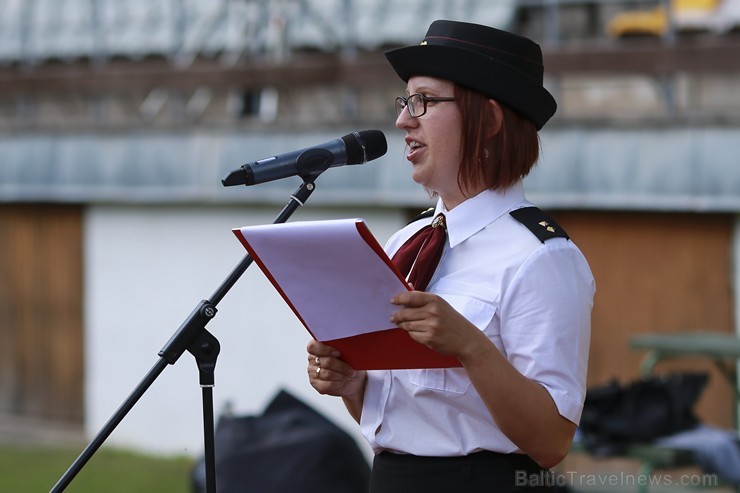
479,211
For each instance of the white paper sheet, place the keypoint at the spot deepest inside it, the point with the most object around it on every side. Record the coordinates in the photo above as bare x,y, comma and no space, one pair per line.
339,282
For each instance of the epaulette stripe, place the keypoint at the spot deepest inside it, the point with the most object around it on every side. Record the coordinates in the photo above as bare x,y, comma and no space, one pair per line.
540,224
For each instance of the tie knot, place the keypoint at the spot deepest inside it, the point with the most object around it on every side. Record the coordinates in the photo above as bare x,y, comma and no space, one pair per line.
417,259
439,221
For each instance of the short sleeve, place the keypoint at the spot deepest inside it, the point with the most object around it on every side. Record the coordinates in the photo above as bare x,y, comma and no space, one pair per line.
546,323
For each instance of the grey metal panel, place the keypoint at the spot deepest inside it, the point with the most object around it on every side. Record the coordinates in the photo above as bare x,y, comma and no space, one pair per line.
720,153
642,168
163,168
648,169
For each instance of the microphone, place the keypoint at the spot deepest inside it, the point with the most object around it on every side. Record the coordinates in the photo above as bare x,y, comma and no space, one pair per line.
355,148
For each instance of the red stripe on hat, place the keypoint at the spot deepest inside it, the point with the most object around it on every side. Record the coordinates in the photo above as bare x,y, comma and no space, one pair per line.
484,47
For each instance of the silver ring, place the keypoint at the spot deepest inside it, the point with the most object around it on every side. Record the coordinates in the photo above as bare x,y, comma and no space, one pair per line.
318,370
318,361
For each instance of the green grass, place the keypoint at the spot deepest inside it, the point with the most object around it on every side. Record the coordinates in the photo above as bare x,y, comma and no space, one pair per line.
34,469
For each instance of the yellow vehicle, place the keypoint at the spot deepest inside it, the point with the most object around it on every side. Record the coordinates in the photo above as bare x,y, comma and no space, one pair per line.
688,15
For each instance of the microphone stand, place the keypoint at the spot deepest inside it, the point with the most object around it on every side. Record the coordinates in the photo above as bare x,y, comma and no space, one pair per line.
193,337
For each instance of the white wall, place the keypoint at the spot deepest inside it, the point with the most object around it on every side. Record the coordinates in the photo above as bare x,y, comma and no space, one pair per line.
146,268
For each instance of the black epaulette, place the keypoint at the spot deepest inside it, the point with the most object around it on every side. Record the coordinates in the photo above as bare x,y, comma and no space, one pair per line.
427,213
543,226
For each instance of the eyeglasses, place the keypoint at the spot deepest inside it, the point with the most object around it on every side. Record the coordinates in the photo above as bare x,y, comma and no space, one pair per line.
417,104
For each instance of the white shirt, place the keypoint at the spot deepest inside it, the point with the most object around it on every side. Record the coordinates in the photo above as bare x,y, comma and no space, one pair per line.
532,299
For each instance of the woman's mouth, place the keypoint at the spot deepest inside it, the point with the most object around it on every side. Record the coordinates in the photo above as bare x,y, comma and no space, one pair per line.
415,149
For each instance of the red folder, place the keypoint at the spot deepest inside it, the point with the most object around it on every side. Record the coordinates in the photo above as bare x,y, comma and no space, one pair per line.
338,281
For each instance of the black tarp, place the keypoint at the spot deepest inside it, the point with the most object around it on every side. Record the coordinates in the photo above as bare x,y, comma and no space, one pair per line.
290,448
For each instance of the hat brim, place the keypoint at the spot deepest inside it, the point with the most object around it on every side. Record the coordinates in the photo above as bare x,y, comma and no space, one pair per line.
492,77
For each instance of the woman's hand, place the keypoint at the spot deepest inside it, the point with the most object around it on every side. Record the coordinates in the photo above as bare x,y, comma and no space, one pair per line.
431,321
328,374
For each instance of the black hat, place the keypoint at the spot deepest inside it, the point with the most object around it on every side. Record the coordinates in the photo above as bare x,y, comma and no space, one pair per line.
499,64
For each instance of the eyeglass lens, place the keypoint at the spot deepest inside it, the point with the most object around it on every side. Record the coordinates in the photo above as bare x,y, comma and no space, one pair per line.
416,104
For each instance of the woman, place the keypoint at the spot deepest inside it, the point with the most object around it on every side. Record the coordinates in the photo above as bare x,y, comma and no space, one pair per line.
511,297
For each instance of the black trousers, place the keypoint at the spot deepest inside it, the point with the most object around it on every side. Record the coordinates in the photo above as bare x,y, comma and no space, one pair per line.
483,472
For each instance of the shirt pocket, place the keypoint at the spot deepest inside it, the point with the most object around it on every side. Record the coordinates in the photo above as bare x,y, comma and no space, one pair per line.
479,312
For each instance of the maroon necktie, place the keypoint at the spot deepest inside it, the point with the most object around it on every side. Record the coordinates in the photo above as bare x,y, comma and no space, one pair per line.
419,256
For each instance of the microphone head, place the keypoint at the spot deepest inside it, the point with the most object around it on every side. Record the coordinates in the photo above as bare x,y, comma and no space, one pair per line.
364,146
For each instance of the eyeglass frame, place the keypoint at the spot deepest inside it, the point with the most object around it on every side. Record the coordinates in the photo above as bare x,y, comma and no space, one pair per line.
403,103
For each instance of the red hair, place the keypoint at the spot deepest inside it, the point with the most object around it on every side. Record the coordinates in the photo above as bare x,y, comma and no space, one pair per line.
499,160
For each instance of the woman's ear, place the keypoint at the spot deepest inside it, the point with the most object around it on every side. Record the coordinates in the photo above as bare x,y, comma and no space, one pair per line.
497,118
